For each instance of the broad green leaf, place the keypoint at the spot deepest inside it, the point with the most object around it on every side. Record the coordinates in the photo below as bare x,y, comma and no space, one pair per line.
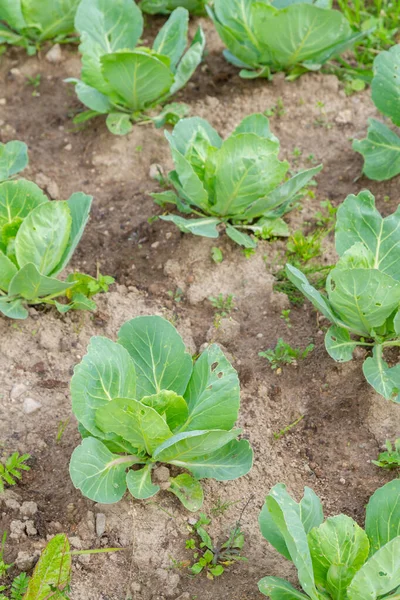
105,372
239,237
237,16
32,285
241,54
171,114
286,3
231,461
43,236
285,514
380,150
189,62
386,84
116,26
213,392
139,483
186,131
185,446
314,296
396,323
339,344
119,123
258,124
11,13
79,205
338,542
159,354
18,199
98,473
279,589
384,379
13,309
270,227
92,98
140,425
104,29
164,7
300,33
247,168
379,575
172,38
359,221
7,271
13,158
356,257
138,78
282,194
382,522
51,19
364,298
309,511
188,490
53,570
171,405
191,184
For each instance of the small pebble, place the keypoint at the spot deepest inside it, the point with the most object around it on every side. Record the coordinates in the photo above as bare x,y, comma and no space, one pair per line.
30,406
100,524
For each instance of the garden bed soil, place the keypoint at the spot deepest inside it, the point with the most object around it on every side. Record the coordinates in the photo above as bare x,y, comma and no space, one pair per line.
344,422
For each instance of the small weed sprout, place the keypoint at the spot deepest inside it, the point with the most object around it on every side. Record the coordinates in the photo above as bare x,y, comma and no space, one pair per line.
216,255
177,295
214,557
390,459
284,354
224,305
279,434
10,469
285,315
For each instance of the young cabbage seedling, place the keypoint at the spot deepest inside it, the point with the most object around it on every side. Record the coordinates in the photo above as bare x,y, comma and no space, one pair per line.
335,559
282,35
29,23
37,241
123,80
142,401
363,290
381,147
165,7
232,184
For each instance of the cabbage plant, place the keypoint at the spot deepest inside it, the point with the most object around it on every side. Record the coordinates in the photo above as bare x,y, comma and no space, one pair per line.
141,401
232,184
362,291
123,80
164,7
335,559
264,37
381,148
37,240
29,23
13,159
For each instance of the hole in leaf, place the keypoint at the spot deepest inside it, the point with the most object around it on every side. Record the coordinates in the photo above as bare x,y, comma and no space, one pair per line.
214,366
220,374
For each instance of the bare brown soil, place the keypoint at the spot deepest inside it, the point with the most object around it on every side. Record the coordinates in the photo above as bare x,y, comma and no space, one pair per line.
344,422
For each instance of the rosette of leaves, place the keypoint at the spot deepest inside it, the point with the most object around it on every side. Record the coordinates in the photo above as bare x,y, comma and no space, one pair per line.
335,559
29,23
233,183
362,291
37,240
142,401
286,35
165,7
13,159
123,80
381,148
